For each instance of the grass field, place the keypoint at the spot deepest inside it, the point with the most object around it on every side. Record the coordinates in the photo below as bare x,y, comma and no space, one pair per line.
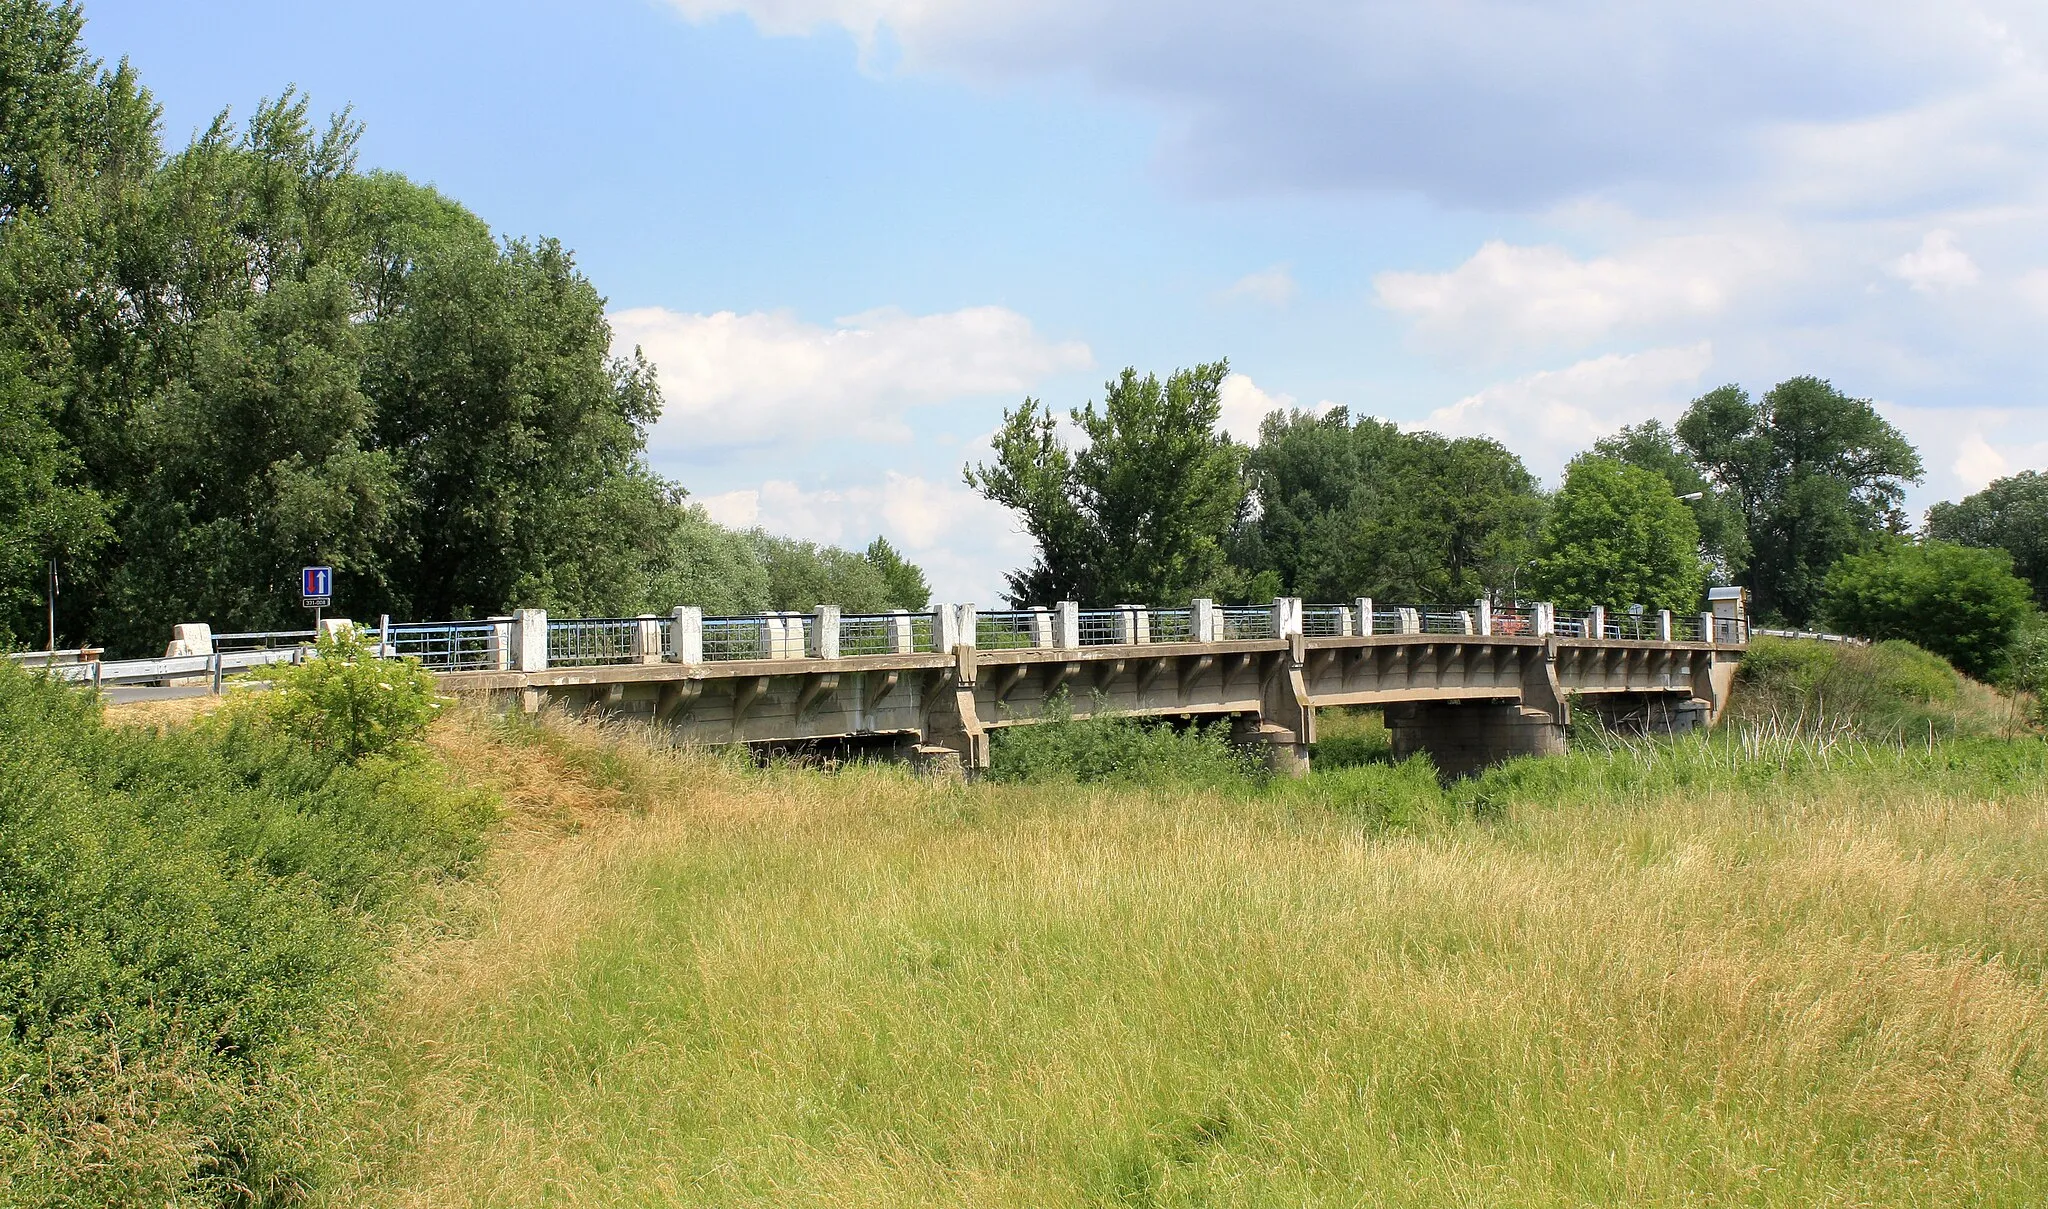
1777,970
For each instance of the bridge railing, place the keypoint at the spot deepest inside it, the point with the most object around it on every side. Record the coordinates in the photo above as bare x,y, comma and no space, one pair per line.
531,641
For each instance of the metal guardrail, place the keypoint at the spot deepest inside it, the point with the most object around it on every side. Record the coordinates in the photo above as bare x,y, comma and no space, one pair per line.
1015,629
731,638
1172,625
1245,622
455,646
1810,636
593,641
1448,619
1325,621
1101,627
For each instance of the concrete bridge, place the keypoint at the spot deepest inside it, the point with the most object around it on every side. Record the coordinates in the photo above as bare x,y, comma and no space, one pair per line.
1469,685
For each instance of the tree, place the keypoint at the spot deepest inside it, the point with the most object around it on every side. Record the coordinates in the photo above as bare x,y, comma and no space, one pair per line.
1724,543
2011,515
904,580
1817,474
1346,508
1961,602
1616,534
1142,512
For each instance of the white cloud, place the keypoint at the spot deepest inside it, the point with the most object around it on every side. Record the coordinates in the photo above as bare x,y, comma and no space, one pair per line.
963,542
729,379
1964,448
1273,287
1936,265
1245,405
1549,416
1508,296
1506,103
2032,288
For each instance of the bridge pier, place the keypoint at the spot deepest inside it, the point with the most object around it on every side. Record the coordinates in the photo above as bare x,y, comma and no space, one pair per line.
1465,737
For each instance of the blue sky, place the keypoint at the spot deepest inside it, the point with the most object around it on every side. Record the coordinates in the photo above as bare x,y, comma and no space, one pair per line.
849,232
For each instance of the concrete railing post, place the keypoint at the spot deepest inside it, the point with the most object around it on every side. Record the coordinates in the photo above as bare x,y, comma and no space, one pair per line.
1363,605
1041,626
1133,624
1596,625
1663,625
1286,616
1707,628
530,640
1205,624
1066,624
902,634
945,628
782,636
965,624
825,632
1483,610
647,639
383,635
1411,620
686,634
1546,619
498,648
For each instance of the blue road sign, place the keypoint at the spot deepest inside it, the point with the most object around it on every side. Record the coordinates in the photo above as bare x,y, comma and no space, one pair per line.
316,583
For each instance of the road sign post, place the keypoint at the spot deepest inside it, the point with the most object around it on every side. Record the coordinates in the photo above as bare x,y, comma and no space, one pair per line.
316,591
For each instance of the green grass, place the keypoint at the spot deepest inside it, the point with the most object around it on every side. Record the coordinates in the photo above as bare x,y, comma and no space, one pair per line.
1790,967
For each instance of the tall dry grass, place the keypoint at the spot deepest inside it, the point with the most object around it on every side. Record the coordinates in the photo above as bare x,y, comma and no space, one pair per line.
1812,979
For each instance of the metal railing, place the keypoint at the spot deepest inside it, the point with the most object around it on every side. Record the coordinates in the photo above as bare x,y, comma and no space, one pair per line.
1631,627
593,641
1685,628
263,640
1573,624
1513,621
730,638
1325,621
1246,621
1102,627
1173,625
455,646
1448,619
879,633
1009,631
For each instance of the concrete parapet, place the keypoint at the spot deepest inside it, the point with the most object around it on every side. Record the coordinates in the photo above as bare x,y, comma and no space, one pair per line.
530,640
686,634
647,638
824,642
1066,625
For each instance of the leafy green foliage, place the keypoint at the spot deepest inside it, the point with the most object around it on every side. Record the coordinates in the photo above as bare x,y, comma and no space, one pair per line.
1117,750
1817,475
1362,509
1617,535
221,364
1724,541
1961,602
179,915
346,704
2011,515
903,582
1139,515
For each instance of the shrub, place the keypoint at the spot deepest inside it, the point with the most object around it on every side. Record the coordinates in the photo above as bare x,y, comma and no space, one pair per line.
1961,602
179,913
347,705
1117,749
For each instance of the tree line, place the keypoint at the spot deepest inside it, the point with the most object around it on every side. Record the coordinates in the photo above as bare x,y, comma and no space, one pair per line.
220,364
1795,494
